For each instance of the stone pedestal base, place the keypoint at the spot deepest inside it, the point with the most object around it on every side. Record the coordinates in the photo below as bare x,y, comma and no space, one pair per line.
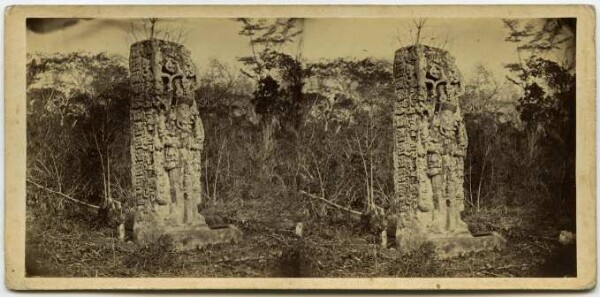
449,245
453,246
149,227
449,235
183,239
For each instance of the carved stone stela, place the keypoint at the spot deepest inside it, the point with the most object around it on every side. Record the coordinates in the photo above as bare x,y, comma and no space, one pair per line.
166,143
429,151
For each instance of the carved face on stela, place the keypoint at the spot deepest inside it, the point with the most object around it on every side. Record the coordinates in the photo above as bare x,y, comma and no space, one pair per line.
189,76
170,66
179,77
447,75
443,85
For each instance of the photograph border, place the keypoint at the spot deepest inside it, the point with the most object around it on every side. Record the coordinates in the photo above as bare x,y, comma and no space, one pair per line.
15,144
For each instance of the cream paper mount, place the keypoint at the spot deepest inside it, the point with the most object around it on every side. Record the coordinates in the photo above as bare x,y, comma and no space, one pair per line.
300,147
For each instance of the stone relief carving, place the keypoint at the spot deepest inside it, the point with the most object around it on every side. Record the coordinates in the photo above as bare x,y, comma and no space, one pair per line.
167,139
430,147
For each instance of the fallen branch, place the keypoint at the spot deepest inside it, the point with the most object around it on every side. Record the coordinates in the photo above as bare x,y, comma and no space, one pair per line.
63,195
331,203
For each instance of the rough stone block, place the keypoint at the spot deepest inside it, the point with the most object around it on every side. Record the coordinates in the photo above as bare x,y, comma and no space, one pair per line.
453,246
190,238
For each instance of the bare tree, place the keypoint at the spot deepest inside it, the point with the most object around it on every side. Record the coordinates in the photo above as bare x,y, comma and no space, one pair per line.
419,25
152,26
150,29
417,35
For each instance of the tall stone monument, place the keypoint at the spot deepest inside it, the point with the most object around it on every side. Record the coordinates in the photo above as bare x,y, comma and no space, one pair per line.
429,151
167,138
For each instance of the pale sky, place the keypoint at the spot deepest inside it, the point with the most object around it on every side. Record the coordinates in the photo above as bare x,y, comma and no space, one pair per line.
471,41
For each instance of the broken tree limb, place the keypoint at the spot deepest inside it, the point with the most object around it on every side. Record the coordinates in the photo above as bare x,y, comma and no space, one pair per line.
62,195
331,203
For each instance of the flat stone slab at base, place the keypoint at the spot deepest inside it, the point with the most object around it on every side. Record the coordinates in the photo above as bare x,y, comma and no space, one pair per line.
186,238
453,246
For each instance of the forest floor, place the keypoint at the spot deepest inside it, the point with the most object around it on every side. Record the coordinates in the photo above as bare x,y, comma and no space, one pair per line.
77,245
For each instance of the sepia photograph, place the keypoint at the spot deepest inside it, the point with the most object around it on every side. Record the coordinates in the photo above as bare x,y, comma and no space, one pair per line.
303,147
